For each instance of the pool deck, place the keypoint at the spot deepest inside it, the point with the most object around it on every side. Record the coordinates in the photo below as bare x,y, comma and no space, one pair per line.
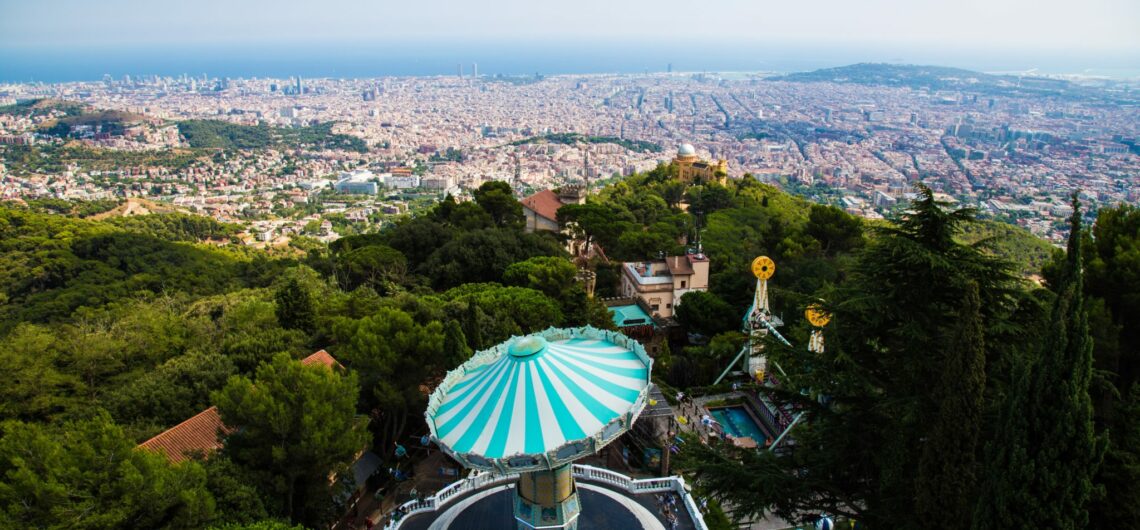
699,407
692,411
743,437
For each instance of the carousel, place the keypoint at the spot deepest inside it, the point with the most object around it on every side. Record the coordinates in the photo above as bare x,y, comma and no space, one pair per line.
535,404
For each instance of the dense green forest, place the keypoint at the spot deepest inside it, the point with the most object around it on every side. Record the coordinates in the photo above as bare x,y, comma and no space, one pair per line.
1027,252
225,135
71,114
111,122
640,146
55,158
116,330
36,107
953,394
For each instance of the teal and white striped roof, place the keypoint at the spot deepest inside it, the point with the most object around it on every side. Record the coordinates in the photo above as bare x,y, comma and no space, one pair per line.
542,400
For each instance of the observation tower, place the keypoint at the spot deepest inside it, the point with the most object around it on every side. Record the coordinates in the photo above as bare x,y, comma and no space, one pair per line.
535,404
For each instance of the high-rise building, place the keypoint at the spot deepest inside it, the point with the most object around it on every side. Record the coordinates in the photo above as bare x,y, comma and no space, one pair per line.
459,70
475,70
518,172
300,87
586,169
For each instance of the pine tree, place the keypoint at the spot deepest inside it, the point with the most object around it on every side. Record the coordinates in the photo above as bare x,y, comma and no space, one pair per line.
1120,473
946,479
904,371
1042,463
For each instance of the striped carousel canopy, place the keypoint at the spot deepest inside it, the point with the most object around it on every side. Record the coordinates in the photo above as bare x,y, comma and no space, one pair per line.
540,401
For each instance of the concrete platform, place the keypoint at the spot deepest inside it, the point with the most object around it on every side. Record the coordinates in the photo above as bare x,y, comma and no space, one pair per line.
604,507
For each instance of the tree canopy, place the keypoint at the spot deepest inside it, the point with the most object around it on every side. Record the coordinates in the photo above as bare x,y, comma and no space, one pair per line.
297,424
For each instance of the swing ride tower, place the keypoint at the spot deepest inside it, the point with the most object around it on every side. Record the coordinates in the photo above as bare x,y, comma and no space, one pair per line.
758,322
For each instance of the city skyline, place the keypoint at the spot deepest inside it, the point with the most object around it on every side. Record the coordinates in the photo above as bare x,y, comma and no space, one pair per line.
415,58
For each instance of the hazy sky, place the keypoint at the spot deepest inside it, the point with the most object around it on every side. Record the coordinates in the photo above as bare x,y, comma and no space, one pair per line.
1014,25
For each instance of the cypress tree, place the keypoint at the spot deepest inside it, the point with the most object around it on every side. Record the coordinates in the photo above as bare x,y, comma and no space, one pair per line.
295,308
1042,463
946,482
455,344
472,328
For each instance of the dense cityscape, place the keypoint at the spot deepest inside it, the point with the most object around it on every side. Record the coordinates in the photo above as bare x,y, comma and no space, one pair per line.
1012,147
609,265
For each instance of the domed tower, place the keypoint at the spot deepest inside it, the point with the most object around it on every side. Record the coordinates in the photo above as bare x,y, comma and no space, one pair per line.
686,157
691,169
687,153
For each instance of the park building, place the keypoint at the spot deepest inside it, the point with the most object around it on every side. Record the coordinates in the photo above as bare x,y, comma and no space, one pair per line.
660,284
360,181
541,209
692,170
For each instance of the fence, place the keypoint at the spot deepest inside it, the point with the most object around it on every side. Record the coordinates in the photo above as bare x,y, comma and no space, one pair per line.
478,481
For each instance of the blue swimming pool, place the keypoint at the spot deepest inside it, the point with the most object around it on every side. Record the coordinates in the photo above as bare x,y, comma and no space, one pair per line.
737,422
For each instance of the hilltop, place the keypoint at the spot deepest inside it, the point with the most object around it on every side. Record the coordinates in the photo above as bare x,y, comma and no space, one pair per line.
225,135
880,74
37,107
137,206
946,78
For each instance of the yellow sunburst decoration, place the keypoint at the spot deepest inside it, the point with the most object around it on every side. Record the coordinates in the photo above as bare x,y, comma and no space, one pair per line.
817,316
763,267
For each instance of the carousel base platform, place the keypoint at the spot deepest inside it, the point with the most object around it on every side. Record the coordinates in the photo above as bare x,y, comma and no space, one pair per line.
605,506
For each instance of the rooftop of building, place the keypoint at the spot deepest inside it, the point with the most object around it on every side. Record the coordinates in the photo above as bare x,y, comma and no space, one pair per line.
679,265
199,434
662,271
630,315
544,203
321,357
647,274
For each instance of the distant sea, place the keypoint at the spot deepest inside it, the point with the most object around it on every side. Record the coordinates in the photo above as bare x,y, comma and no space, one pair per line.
409,58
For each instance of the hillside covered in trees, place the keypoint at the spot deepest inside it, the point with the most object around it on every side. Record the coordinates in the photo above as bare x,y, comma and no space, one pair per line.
115,330
225,135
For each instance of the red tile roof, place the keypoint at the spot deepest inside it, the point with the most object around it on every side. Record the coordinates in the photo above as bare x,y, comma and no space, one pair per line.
544,203
197,434
200,433
321,357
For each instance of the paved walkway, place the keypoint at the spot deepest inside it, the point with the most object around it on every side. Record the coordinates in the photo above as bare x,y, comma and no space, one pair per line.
426,481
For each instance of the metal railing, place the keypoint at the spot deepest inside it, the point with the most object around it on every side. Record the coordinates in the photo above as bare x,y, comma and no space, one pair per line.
478,481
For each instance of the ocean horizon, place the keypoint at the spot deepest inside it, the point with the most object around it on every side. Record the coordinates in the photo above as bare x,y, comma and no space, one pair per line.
57,64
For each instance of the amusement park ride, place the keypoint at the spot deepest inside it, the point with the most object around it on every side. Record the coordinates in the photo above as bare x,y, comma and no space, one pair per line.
534,405
758,322
523,412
